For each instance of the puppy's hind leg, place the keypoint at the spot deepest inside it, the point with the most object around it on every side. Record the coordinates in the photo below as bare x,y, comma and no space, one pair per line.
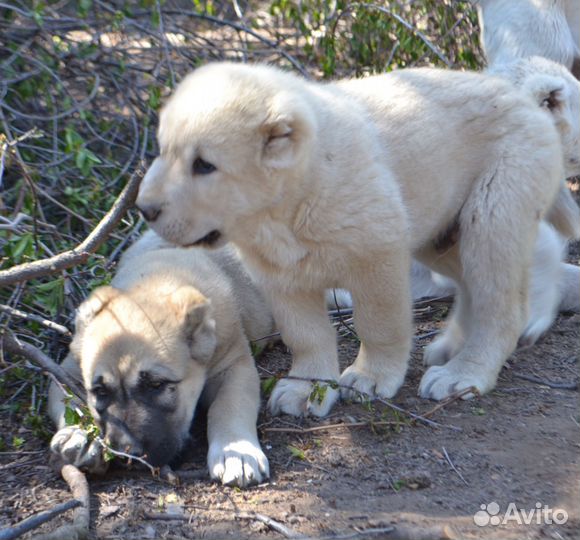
545,277
382,318
495,251
446,346
305,328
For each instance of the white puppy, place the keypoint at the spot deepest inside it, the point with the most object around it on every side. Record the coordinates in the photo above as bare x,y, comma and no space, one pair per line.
554,284
522,28
327,185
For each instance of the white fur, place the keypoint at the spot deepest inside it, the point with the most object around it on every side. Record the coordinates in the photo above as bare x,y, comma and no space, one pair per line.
326,185
554,284
522,28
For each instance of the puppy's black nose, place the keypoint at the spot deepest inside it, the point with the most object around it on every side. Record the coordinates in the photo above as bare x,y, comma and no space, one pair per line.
149,212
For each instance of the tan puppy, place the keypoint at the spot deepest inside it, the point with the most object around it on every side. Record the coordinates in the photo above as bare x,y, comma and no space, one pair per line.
170,332
325,185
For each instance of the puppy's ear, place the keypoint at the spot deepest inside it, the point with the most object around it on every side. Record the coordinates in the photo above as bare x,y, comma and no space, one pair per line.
93,305
550,92
286,132
197,324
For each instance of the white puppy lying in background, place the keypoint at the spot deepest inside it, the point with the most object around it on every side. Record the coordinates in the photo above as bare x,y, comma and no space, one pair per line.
335,185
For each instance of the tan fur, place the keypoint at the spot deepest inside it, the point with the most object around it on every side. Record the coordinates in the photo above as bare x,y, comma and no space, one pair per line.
338,184
172,330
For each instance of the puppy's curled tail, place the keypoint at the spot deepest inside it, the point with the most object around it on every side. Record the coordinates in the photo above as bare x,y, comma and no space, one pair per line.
565,215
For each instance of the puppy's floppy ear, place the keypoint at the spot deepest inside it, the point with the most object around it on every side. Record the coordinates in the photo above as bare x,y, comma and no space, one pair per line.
93,305
193,312
286,131
549,91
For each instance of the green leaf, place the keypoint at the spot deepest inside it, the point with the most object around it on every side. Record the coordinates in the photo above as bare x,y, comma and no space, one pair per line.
297,453
268,385
23,246
71,416
18,442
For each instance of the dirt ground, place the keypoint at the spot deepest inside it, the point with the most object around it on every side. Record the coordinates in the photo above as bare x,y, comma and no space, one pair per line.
520,444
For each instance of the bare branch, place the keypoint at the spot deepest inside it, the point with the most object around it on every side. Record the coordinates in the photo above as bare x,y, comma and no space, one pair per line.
37,520
79,529
13,312
82,252
13,345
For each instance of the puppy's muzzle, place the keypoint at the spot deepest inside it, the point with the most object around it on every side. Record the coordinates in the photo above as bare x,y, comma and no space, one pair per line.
150,212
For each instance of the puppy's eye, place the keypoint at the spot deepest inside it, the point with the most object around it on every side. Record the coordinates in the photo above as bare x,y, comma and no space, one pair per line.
101,392
153,385
200,166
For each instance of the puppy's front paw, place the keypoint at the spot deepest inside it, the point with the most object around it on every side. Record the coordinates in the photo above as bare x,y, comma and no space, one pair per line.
300,398
439,382
240,463
359,381
72,445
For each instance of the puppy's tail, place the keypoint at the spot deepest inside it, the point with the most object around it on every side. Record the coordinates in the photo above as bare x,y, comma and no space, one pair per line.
565,215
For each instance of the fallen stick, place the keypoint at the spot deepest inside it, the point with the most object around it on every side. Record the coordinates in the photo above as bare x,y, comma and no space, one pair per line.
271,523
393,532
453,466
13,345
451,399
550,384
334,426
411,532
334,384
13,312
79,529
86,248
37,520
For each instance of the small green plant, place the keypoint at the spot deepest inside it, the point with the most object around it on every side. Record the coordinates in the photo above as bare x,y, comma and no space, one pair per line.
17,442
84,158
268,385
297,453
397,485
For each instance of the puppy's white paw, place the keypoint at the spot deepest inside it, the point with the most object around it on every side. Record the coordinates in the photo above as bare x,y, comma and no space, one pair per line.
72,445
439,382
440,351
360,381
240,463
299,398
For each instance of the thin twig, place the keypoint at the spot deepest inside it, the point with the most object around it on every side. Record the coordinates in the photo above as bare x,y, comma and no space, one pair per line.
79,529
130,457
30,317
271,523
313,429
12,344
453,466
550,384
451,399
9,533
334,384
